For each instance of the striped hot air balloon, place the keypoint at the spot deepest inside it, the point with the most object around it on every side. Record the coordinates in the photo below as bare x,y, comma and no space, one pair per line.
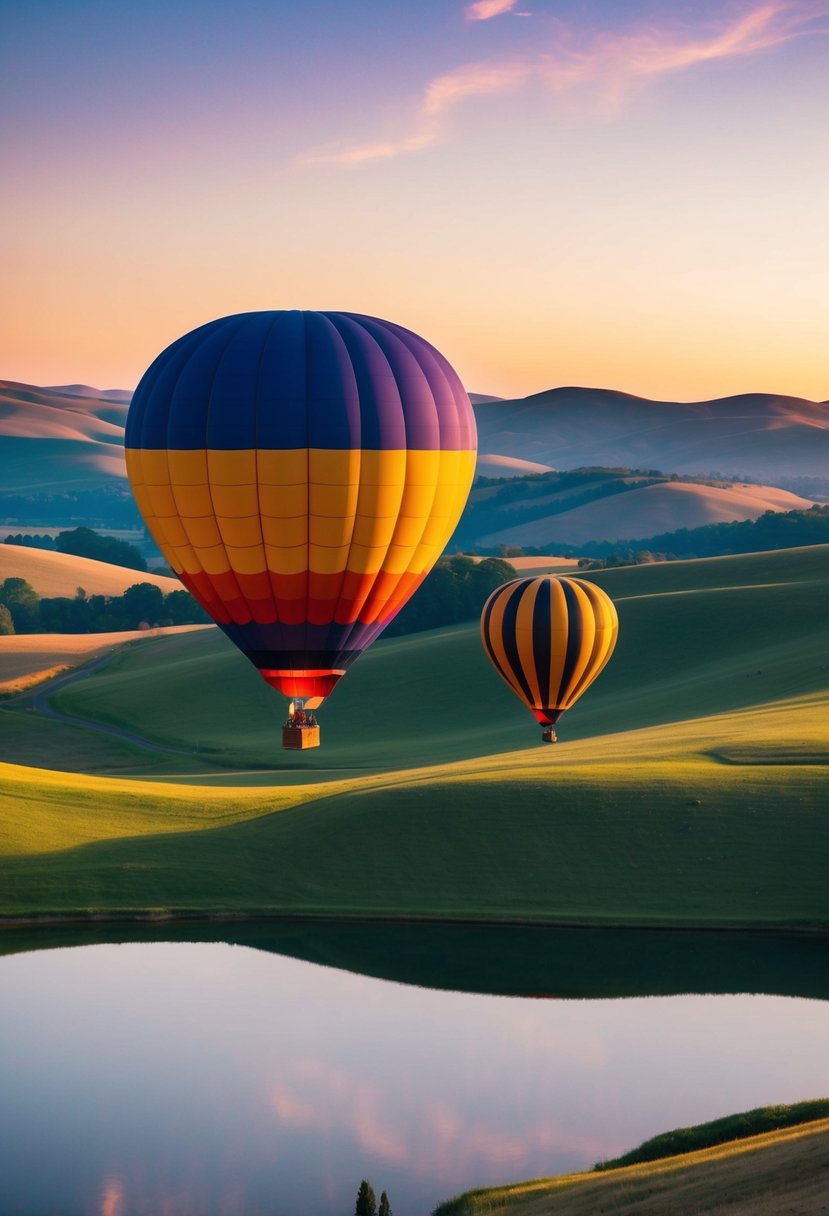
301,472
548,638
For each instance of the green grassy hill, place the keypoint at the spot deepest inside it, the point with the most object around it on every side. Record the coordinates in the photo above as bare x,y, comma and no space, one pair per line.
696,638
690,788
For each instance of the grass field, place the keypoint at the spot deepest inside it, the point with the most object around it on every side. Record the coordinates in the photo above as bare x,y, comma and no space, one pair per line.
776,1174
690,789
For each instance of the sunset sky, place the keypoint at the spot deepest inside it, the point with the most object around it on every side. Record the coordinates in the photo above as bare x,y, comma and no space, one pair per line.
621,194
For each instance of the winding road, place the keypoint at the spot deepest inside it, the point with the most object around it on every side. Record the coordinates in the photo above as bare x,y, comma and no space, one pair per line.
39,700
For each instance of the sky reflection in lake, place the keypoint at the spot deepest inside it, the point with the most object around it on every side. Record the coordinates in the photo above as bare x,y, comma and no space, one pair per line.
193,1079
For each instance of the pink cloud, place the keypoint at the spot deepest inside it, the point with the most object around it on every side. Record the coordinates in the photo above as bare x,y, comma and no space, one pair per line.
483,10
607,68
112,1197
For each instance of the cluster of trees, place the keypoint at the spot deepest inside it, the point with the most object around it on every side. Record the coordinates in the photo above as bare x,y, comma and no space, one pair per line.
773,530
456,590
367,1202
84,542
142,606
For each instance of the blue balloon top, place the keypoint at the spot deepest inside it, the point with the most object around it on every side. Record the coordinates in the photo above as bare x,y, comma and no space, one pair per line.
281,380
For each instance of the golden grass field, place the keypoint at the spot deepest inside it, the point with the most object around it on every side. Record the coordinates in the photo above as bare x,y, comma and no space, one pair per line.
782,1173
53,574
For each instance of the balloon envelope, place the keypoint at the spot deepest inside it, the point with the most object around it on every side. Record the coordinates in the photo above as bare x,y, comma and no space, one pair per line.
548,638
301,472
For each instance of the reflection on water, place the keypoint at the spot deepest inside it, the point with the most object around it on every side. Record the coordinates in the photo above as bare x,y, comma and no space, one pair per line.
201,1079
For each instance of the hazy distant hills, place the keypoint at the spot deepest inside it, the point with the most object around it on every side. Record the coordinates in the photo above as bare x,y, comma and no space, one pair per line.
68,440
79,434
756,434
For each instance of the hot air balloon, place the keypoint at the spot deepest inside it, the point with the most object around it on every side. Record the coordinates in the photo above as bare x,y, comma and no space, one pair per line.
302,473
548,638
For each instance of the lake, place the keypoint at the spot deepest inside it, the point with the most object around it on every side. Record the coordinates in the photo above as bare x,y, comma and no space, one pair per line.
188,1078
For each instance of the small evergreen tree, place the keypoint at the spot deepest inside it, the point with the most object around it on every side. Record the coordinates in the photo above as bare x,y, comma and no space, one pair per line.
384,1209
6,622
366,1201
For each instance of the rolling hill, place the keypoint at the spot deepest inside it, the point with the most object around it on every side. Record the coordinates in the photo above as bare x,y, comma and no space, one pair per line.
70,436
53,574
608,504
55,439
507,466
690,784
755,434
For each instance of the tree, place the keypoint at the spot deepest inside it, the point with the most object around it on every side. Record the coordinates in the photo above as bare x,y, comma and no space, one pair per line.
84,542
384,1209
182,609
6,622
23,604
143,602
366,1201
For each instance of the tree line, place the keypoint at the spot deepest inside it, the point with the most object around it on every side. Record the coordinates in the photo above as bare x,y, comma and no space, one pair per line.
142,606
455,591
772,530
84,542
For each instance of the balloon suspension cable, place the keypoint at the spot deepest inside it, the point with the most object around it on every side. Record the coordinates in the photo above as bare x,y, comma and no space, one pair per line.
301,730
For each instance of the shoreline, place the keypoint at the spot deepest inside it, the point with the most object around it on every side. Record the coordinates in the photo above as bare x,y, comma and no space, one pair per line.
355,918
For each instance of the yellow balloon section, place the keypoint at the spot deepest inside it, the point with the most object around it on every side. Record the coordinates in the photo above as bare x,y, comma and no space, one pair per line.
548,638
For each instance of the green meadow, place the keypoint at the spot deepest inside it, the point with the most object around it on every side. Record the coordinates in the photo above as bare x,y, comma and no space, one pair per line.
689,787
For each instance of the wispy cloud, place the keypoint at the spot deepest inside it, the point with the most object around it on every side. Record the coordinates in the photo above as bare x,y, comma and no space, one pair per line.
613,66
607,68
483,10
440,97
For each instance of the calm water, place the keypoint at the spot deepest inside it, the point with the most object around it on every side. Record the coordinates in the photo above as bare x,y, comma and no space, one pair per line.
189,1079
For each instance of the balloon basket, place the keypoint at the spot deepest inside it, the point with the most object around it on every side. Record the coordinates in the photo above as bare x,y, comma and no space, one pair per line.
299,738
548,734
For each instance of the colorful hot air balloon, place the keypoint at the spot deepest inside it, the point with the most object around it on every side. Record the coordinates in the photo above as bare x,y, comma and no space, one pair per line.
301,472
548,638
